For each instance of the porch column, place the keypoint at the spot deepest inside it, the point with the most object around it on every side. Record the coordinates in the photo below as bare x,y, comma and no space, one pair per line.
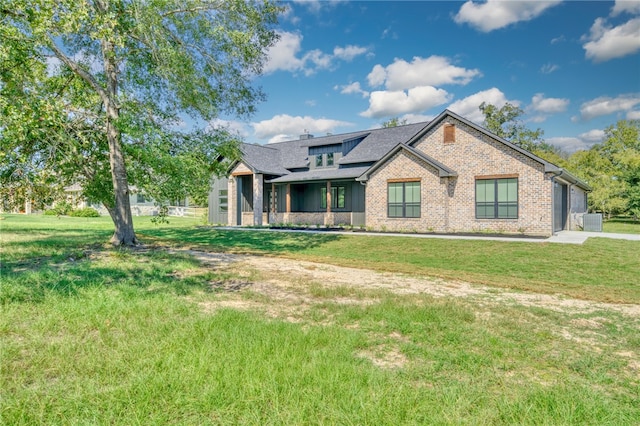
258,184
273,198
328,216
288,198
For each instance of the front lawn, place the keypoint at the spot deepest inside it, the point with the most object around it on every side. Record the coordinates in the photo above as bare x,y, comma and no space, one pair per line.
93,335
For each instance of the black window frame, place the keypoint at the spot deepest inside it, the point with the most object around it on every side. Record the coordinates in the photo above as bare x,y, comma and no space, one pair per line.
336,201
497,206
407,209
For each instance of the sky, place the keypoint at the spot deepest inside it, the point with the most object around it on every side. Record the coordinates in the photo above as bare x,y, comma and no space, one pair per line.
573,67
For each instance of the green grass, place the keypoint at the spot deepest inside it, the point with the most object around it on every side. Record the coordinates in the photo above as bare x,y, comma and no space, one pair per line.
92,335
601,269
622,225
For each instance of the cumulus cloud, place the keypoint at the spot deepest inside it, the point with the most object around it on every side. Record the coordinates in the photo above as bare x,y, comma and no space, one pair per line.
287,55
583,141
494,14
605,105
605,42
432,71
349,52
416,99
469,106
353,88
626,6
285,127
236,127
417,118
548,105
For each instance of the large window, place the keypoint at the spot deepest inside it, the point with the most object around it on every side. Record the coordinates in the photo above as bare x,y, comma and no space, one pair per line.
403,199
337,197
497,198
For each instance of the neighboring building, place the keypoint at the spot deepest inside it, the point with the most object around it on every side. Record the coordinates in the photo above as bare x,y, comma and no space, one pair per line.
141,205
448,175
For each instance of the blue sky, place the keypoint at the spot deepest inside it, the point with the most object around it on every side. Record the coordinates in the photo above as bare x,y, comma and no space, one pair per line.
341,66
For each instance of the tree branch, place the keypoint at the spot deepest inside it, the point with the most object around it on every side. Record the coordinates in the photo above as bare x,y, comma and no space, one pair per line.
77,69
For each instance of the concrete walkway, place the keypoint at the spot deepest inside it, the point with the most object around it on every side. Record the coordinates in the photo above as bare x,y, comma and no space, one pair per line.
563,237
579,237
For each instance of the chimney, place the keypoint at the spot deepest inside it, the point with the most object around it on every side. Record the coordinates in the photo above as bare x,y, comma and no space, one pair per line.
306,135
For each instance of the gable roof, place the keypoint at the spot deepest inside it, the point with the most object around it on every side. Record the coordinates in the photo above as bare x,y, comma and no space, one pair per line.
262,159
548,167
443,171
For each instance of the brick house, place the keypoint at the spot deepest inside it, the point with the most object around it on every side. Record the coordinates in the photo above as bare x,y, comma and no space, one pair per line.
448,175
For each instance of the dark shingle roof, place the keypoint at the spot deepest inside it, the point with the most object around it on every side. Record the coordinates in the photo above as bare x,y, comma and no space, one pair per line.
322,174
379,142
263,159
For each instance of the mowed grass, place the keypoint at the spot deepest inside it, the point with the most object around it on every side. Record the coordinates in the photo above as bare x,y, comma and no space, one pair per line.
622,225
602,269
92,335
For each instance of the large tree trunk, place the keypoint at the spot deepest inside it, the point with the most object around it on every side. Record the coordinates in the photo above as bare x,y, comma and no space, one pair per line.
121,213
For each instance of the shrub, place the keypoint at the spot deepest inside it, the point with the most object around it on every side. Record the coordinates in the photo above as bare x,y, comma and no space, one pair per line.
85,212
60,209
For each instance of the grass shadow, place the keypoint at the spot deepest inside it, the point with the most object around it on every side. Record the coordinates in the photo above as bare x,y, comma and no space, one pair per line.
240,241
139,274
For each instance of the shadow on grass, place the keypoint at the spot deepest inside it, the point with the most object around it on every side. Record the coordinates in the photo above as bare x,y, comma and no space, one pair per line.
135,274
249,241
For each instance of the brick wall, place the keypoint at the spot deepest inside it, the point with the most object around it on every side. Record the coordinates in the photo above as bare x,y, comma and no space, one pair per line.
405,165
448,204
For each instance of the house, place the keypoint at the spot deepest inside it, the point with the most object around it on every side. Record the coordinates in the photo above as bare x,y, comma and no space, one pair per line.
447,175
141,205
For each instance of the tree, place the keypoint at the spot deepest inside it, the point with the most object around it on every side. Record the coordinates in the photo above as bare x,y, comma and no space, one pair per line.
504,122
612,168
86,84
394,122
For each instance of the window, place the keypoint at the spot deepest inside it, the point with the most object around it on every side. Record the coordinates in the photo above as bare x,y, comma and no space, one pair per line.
140,199
319,161
497,198
330,159
337,197
449,133
403,199
223,201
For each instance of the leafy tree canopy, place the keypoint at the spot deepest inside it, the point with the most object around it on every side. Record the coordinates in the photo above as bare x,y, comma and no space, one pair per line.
97,92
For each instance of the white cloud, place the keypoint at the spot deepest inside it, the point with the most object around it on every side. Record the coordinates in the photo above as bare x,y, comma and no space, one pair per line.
416,118
628,6
605,42
286,127
236,127
417,99
583,141
349,52
286,55
548,105
568,144
549,68
469,106
315,6
353,88
494,14
633,115
283,55
605,105
431,71
593,136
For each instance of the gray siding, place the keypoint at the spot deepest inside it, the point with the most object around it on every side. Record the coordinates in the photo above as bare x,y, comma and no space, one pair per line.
218,208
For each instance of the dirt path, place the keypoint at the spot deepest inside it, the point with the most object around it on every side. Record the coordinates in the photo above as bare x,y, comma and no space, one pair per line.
290,281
